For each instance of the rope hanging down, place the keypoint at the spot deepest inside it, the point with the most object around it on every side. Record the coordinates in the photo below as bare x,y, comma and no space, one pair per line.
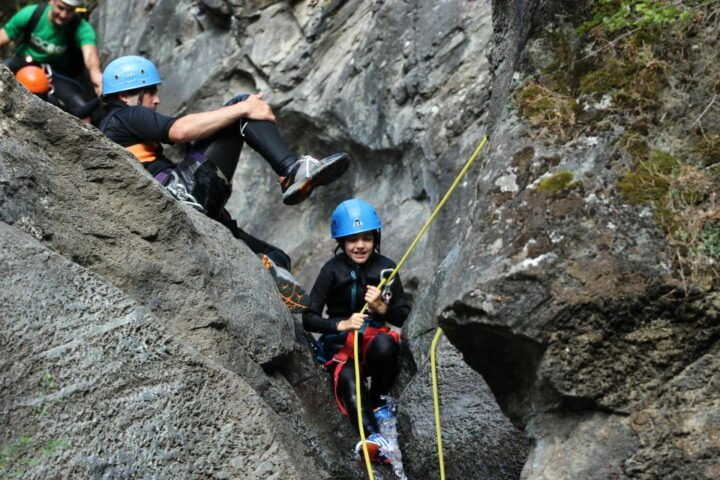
436,401
383,282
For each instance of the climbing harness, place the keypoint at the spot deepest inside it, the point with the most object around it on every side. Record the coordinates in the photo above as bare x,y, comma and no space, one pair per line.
178,190
353,335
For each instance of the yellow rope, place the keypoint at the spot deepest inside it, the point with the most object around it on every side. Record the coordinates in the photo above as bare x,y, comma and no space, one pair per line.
436,401
402,261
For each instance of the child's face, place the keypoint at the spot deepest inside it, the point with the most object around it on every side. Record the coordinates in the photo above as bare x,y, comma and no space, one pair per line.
359,247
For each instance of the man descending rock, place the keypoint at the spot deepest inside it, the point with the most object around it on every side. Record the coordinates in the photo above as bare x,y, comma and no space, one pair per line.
203,178
52,34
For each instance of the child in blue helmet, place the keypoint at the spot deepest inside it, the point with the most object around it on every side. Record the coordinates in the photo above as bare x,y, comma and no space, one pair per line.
345,283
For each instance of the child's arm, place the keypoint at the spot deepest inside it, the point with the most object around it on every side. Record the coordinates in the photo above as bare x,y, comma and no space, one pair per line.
313,321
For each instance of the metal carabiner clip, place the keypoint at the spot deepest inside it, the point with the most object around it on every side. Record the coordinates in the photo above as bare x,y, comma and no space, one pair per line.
386,294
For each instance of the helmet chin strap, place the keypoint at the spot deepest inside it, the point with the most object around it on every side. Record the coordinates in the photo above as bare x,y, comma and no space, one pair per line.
140,97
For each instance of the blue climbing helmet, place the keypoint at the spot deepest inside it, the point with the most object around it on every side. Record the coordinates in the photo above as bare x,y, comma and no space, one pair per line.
129,73
353,216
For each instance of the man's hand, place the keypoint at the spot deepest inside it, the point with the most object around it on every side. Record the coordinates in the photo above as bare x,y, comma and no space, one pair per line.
4,39
373,296
256,108
355,322
92,63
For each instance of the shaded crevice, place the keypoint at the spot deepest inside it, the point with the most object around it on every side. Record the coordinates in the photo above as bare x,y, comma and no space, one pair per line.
216,325
507,361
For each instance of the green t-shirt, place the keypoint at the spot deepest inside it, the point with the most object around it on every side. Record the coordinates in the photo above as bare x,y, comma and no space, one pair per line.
48,43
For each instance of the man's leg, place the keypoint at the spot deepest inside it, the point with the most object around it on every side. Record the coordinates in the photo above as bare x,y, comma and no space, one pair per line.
278,257
223,149
71,95
15,63
276,262
298,176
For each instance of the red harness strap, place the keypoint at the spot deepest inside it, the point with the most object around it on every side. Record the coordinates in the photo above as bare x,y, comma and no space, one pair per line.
346,352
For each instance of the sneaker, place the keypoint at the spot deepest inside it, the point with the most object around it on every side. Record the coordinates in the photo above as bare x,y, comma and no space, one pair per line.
308,173
376,445
383,413
291,293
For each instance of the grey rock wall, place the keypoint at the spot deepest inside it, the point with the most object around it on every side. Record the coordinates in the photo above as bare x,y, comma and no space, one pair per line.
95,386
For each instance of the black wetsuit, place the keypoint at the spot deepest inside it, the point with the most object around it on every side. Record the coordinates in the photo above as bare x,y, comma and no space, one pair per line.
73,94
209,164
340,287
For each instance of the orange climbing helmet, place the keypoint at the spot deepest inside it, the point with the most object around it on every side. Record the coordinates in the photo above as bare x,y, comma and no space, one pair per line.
34,79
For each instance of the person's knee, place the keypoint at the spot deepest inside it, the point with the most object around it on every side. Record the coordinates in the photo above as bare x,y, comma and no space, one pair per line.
237,99
385,347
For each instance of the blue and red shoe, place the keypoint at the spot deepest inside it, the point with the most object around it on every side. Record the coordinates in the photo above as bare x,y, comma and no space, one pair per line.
376,445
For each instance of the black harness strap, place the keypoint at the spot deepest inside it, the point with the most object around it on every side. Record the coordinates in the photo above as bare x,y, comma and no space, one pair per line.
27,32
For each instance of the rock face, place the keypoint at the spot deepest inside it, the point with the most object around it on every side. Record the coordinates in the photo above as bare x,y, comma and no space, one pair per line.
561,313
94,386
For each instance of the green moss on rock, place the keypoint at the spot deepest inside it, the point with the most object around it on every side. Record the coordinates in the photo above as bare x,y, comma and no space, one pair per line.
710,240
558,183
613,75
636,145
649,181
708,148
547,109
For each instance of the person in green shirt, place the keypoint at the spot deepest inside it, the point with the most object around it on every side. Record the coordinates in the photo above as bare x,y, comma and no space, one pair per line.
51,42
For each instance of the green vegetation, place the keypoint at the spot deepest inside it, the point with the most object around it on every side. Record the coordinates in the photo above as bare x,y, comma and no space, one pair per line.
55,445
547,110
27,451
685,206
22,453
558,183
47,387
616,15
709,243
14,454
649,181
641,66
708,149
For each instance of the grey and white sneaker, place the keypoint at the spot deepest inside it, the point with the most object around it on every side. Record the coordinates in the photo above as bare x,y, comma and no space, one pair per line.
308,173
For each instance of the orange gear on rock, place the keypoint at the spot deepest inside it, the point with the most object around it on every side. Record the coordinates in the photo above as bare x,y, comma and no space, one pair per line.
34,79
